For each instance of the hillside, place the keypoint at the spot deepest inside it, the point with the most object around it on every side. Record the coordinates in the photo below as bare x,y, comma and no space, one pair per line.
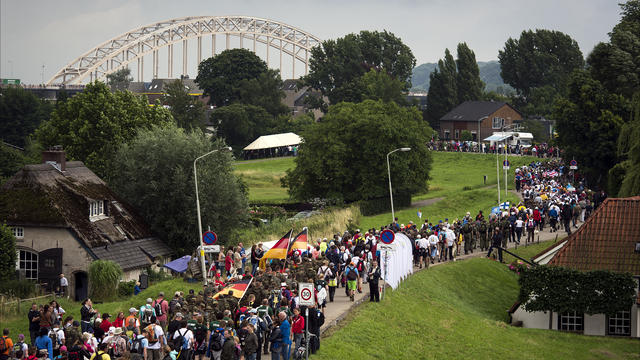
489,73
458,311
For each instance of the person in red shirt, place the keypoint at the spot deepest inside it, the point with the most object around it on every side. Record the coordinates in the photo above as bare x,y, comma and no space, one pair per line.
228,262
105,324
297,328
119,322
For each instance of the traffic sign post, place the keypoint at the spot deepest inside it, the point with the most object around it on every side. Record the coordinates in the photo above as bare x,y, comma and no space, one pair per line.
307,299
505,165
386,237
573,165
209,238
210,249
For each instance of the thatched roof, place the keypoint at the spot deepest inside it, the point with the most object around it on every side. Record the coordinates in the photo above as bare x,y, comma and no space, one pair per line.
41,195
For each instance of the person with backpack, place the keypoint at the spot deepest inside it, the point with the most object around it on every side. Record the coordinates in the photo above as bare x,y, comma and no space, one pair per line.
21,346
117,344
229,347
352,276
251,346
101,354
331,277
161,309
176,304
276,339
57,338
6,345
140,344
297,328
183,341
200,333
156,338
216,343
531,227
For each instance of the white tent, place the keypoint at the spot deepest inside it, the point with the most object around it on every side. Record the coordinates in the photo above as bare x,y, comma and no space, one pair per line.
274,141
400,262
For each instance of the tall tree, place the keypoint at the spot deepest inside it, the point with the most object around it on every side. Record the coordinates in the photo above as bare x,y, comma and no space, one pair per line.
539,58
624,178
154,171
220,76
616,64
443,92
330,165
187,111
588,124
264,91
91,125
336,65
7,253
468,83
240,124
120,79
21,112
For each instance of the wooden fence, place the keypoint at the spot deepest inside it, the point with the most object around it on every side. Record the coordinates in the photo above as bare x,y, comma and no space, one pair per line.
12,306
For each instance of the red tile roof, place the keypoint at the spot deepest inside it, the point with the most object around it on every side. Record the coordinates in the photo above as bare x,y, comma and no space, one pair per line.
607,240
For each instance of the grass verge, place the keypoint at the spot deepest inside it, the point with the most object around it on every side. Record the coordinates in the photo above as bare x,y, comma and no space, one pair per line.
263,178
458,311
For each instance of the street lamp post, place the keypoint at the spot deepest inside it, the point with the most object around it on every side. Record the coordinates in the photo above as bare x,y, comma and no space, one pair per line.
195,180
393,215
506,182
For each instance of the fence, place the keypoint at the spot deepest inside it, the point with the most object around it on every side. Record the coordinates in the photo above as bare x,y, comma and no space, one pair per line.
10,307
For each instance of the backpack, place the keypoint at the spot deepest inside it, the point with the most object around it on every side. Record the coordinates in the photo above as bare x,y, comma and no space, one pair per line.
200,333
217,341
3,344
53,335
151,334
136,346
180,342
16,347
360,266
352,274
158,308
173,304
73,355
147,317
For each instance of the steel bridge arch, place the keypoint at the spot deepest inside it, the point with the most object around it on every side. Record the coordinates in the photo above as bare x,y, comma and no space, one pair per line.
118,52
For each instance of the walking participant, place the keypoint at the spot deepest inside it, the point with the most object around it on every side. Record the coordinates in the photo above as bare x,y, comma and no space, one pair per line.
496,241
433,246
423,246
374,278
352,279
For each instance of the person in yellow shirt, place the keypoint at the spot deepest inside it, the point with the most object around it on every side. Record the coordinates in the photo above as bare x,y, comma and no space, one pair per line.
101,354
323,246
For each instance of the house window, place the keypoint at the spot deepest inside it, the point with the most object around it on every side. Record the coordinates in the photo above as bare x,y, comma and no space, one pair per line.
96,207
497,123
49,263
447,134
571,321
28,262
457,132
18,232
620,324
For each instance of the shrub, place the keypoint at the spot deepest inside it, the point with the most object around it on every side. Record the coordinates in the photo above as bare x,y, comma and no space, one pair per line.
125,288
157,275
18,288
104,276
7,253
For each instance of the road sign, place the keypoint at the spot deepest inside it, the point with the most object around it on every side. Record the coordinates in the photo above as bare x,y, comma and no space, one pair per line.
209,249
387,236
11,81
384,247
505,164
209,238
573,165
306,294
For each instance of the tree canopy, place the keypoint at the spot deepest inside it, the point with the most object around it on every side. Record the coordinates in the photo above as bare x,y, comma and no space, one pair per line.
154,171
539,58
21,112
468,82
240,124
7,253
91,125
443,91
343,157
120,79
337,65
187,111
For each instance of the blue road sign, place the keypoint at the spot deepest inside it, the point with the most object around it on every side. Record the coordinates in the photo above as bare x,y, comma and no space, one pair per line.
387,236
505,163
209,238
573,163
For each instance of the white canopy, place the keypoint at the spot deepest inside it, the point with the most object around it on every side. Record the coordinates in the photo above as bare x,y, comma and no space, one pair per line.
273,141
400,261
497,137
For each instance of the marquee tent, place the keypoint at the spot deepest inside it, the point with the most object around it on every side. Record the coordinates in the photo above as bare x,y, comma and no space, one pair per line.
400,262
274,141
179,265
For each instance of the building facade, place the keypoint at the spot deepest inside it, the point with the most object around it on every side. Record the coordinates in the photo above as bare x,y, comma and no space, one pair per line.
480,118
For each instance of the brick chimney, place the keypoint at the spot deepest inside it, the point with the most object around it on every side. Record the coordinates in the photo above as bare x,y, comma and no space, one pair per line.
56,157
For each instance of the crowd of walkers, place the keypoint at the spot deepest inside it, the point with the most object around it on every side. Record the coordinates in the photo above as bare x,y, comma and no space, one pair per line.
543,150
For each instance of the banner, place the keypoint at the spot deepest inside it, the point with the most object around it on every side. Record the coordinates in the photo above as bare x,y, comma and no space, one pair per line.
237,289
277,251
300,242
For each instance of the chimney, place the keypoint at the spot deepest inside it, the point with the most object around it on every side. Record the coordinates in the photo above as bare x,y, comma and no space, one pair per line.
56,157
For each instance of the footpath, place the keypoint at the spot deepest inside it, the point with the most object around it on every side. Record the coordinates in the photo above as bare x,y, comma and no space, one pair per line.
338,310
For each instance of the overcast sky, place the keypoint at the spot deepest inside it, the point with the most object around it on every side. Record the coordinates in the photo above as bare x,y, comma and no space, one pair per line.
52,33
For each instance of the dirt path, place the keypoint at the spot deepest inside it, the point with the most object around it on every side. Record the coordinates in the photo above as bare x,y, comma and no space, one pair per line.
426,202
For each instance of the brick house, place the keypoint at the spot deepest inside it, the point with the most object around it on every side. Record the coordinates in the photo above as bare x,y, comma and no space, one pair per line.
608,240
480,118
64,217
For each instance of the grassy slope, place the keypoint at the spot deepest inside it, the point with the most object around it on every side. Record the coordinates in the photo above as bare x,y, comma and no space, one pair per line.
18,323
263,178
458,311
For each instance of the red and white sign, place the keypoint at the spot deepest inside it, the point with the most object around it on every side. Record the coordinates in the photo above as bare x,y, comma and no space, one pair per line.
306,294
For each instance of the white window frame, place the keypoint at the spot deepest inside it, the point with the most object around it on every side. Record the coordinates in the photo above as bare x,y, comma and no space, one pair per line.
18,232
620,321
96,208
569,322
28,263
497,123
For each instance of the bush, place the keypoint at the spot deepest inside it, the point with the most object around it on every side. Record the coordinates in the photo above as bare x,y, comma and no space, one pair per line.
18,288
156,276
104,276
125,288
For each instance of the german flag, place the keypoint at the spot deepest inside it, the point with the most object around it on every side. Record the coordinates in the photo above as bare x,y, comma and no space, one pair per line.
300,242
236,289
278,251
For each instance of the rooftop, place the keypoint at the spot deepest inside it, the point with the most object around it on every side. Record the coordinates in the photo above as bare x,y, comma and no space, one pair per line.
473,110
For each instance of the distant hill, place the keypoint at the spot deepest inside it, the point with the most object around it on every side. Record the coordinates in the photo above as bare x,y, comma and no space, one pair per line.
489,73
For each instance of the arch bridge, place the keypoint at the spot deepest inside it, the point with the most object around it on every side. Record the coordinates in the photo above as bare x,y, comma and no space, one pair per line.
120,51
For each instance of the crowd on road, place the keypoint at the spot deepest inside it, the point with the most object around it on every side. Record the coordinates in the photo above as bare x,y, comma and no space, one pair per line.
542,150
267,318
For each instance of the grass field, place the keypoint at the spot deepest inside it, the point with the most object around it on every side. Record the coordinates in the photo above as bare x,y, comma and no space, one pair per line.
18,324
263,178
458,311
